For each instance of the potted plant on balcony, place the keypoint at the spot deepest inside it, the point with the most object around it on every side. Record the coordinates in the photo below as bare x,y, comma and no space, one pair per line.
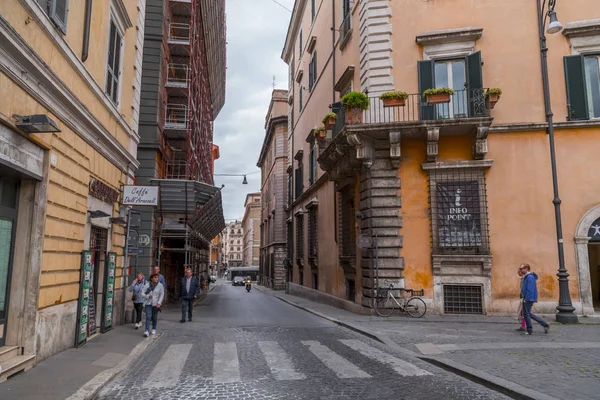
438,95
394,99
320,133
492,96
355,103
329,120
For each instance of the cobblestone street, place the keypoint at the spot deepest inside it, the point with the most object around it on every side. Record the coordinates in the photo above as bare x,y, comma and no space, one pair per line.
252,346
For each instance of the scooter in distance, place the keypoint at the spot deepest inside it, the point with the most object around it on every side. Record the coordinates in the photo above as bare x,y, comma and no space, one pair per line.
248,285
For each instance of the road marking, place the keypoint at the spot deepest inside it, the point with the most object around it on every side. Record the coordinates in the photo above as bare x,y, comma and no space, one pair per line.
402,367
226,367
168,370
338,364
280,364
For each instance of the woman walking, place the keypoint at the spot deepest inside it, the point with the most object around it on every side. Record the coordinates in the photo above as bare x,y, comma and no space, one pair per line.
153,294
138,302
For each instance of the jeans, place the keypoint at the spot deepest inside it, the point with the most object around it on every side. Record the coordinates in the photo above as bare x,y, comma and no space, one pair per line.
151,315
190,304
138,307
528,315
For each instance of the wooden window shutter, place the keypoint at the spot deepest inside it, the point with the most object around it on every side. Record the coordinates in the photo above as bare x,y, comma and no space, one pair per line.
57,11
576,96
474,81
426,81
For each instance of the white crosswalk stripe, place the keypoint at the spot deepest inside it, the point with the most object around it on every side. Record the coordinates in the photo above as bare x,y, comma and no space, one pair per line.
402,367
280,364
343,368
226,367
167,371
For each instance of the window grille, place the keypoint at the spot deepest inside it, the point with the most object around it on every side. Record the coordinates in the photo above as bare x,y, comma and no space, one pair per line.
313,244
98,239
290,240
300,236
463,299
459,212
350,289
299,181
347,216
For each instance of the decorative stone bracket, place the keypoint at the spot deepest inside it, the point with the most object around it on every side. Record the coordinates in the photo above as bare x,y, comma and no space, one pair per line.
480,146
433,137
364,148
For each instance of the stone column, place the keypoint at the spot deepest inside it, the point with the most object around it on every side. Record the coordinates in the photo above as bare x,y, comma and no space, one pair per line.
380,203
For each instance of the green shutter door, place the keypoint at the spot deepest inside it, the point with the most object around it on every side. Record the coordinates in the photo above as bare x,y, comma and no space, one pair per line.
475,85
575,79
426,81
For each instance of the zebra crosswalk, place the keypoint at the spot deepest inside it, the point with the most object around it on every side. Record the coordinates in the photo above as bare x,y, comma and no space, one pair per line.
282,364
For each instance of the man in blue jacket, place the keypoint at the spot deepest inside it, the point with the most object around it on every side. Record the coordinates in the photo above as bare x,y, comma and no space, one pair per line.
530,295
189,291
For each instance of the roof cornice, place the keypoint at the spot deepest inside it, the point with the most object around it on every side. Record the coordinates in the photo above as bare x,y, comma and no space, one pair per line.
293,29
268,136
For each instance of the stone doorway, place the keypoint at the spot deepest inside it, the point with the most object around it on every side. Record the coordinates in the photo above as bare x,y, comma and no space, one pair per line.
594,254
587,251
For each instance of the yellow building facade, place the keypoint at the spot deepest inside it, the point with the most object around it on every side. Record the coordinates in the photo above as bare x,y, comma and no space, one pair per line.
395,174
80,67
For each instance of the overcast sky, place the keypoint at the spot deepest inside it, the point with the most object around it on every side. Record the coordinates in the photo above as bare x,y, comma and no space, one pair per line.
256,32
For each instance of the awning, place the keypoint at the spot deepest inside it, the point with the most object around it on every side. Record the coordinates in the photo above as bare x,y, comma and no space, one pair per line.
209,221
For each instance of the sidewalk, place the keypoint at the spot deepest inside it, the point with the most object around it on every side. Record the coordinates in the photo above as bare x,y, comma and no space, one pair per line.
488,350
78,374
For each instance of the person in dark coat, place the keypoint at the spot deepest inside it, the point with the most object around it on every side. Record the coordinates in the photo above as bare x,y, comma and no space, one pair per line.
190,289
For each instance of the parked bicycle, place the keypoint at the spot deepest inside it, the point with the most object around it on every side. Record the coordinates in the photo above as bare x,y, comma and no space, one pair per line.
411,303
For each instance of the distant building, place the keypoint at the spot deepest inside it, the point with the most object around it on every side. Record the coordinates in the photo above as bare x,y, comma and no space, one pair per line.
251,226
233,235
272,162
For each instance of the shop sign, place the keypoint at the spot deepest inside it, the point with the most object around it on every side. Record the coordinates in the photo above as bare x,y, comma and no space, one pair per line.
140,195
84,298
458,219
103,191
109,290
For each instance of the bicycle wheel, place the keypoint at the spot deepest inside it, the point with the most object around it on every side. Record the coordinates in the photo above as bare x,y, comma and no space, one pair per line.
384,306
415,307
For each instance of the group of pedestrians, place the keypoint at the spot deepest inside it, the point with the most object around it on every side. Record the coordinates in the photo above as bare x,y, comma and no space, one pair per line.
148,296
529,296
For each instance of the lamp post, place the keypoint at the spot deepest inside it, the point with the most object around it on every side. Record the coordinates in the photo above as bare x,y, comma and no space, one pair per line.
565,307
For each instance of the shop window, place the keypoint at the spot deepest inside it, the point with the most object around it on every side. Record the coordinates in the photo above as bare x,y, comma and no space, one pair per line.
459,212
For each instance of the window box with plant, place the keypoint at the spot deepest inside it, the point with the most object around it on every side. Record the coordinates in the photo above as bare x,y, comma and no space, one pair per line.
492,96
355,103
394,99
329,120
320,132
438,95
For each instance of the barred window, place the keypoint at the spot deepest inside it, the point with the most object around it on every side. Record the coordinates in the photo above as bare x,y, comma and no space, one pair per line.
290,239
313,242
459,211
300,236
347,217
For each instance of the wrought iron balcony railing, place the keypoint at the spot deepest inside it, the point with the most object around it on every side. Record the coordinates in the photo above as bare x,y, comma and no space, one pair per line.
462,104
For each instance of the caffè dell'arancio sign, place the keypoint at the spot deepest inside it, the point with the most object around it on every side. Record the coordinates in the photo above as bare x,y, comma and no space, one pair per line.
103,191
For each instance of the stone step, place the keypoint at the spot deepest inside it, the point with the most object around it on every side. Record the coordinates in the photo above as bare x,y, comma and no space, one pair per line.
15,365
8,352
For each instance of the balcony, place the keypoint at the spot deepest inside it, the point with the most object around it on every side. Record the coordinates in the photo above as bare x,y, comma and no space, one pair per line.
345,30
179,33
350,146
176,117
178,76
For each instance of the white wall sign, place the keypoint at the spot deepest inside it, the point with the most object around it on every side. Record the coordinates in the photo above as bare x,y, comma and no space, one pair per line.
140,195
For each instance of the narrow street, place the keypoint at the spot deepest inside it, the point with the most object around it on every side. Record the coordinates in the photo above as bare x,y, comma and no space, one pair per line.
253,346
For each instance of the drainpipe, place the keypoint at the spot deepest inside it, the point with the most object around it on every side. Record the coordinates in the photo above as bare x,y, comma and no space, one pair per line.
333,49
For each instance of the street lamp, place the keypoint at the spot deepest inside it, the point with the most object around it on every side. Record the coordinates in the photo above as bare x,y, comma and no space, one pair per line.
565,307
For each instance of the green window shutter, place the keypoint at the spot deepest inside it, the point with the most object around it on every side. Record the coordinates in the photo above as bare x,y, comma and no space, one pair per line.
576,96
475,85
426,81
311,167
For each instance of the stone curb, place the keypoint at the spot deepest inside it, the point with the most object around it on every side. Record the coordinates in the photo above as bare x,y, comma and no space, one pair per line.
493,382
92,388
500,385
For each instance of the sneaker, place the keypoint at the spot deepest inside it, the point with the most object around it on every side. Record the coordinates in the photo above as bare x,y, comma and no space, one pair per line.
153,332
521,330
146,334
182,321
547,329
527,333
189,320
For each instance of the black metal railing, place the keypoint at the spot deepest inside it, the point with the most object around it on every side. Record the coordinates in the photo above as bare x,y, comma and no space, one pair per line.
345,28
462,104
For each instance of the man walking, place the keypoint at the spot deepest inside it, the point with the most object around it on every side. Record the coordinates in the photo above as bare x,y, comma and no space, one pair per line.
189,291
161,278
530,296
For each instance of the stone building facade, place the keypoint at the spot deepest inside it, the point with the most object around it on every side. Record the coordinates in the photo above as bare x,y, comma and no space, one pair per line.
233,236
61,181
273,163
251,227
455,195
